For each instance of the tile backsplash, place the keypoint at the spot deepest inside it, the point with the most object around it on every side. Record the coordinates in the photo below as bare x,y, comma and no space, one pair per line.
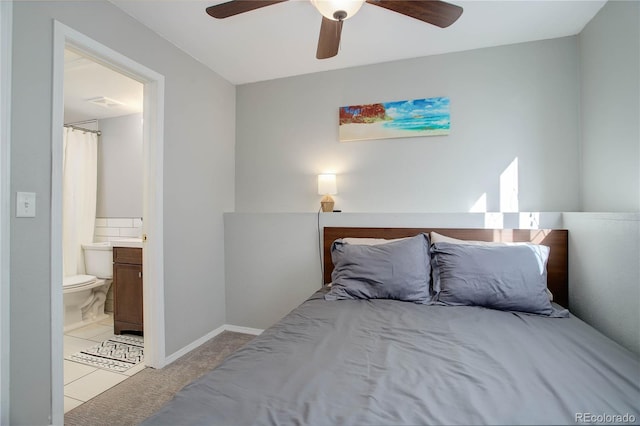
117,228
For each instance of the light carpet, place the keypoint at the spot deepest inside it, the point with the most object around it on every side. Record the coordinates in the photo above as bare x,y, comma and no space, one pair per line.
135,399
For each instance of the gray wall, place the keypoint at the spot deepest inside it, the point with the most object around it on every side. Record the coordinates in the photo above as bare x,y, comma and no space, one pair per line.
120,173
604,247
271,265
5,201
264,284
567,110
604,273
199,152
610,89
273,262
513,101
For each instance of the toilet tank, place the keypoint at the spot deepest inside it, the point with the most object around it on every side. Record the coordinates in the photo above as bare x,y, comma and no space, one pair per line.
98,259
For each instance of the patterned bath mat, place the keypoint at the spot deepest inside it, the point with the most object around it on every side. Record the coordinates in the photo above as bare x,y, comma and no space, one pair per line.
119,353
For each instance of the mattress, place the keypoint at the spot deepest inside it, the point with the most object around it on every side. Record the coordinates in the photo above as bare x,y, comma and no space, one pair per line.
388,362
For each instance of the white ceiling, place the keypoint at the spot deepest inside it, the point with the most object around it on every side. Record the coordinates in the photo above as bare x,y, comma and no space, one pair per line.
85,80
280,40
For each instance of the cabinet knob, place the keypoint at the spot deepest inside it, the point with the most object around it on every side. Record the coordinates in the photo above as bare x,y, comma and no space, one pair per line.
139,274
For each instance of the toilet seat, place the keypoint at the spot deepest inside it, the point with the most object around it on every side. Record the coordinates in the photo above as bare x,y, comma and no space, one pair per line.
78,281
83,300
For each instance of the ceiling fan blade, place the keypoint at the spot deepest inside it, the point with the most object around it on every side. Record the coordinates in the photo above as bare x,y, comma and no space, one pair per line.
438,13
235,7
329,40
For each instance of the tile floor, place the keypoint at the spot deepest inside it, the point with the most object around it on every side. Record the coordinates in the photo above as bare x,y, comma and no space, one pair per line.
83,382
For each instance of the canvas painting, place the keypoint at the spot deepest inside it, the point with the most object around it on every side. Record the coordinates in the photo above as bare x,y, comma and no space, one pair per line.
401,119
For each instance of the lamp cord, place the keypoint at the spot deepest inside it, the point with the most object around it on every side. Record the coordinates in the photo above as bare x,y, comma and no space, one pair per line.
320,249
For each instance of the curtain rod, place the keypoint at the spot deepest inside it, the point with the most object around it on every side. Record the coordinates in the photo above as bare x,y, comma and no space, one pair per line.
91,120
82,129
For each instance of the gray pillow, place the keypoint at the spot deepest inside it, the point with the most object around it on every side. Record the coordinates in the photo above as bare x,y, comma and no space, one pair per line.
395,270
509,278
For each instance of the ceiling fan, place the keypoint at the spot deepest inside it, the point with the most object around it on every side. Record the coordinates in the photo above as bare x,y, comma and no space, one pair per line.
334,12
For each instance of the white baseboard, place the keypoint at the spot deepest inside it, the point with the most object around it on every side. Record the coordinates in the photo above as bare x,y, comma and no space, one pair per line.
240,329
195,344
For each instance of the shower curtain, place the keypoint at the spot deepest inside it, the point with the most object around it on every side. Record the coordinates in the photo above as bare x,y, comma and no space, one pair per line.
79,187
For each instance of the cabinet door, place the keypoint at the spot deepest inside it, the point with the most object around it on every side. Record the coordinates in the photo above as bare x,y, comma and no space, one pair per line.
127,294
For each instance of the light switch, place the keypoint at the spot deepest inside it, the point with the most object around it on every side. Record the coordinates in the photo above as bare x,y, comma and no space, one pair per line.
26,204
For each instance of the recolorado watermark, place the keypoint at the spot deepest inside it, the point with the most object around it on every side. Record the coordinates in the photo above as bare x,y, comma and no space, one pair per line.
605,418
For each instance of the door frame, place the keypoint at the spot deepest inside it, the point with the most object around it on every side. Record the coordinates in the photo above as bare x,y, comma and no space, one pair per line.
153,154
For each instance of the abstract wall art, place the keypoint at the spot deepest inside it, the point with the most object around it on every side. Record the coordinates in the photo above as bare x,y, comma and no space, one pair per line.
400,119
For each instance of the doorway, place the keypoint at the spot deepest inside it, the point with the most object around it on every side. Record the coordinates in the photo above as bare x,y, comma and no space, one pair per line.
102,209
152,155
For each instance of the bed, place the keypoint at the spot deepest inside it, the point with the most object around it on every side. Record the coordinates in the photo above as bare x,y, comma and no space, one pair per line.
431,359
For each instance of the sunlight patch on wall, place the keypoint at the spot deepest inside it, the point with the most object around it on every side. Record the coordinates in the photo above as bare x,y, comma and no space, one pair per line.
509,188
480,206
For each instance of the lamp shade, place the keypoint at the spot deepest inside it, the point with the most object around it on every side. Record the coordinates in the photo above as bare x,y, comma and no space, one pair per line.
337,10
327,184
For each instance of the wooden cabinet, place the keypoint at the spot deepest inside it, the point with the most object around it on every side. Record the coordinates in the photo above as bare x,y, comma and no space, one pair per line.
127,289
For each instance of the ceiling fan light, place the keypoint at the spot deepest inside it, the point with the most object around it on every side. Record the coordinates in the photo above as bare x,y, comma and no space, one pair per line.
337,10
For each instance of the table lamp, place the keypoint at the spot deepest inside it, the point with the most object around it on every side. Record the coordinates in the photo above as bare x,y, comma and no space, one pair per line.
327,187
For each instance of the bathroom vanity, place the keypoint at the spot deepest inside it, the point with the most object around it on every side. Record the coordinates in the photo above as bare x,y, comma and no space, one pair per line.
127,289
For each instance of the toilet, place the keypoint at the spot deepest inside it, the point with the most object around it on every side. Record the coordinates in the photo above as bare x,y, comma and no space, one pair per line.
84,295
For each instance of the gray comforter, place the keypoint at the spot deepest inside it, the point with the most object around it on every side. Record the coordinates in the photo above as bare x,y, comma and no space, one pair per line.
385,362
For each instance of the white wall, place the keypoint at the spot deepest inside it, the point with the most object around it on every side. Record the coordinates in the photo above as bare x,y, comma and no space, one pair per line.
610,124
198,151
273,261
120,171
604,273
519,101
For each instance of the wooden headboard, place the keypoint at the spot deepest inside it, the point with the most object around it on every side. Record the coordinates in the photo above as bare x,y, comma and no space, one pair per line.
555,239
